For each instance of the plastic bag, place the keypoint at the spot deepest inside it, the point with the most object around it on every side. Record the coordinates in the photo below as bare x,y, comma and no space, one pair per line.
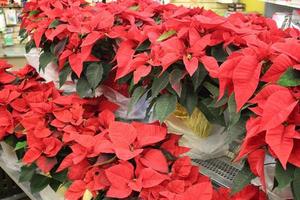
138,111
50,73
277,193
213,146
9,156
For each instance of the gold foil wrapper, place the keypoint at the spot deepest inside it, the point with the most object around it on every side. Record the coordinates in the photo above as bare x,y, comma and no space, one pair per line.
197,122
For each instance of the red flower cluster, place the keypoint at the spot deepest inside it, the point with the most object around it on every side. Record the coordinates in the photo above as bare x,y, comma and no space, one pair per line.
36,110
124,159
173,33
248,54
142,161
241,72
274,126
276,107
68,19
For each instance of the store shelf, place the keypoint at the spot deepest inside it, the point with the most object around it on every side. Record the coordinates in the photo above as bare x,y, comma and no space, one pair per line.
225,1
283,3
14,175
15,51
12,6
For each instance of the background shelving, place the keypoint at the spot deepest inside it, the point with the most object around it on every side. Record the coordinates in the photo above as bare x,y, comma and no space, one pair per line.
272,6
291,4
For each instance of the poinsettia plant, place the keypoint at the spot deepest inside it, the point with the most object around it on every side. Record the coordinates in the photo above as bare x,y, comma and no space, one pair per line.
273,128
140,43
242,66
78,144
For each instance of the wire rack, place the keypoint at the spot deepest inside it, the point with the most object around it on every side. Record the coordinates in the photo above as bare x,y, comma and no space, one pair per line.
222,171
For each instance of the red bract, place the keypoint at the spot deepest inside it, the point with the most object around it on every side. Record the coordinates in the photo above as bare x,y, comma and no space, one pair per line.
171,145
280,64
250,192
273,126
156,160
5,77
76,190
6,123
256,161
43,151
277,109
289,47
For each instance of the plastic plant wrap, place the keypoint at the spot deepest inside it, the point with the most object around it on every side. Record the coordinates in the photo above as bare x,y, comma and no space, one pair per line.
9,156
210,147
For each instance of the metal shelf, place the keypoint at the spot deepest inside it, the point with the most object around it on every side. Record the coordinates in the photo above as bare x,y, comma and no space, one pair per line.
283,3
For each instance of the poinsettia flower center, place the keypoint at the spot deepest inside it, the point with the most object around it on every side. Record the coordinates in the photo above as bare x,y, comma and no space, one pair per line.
131,147
189,56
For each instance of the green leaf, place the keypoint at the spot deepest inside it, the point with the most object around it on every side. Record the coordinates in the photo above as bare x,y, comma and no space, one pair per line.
20,145
54,184
168,155
45,58
100,196
34,12
94,74
218,103
189,99
11,140
297,173
26,173
83,87
175,80
38,182
63,75
211,114
134,8
144,46
60,46
290,78
125,79
52,46
164,106
199,76
60,176
23,34
29,45
166,35
284,177
233,116
236,131
211,88
296,184
136,96
54,23
242,179
158,20
219,53
191,102
23,38
159,84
